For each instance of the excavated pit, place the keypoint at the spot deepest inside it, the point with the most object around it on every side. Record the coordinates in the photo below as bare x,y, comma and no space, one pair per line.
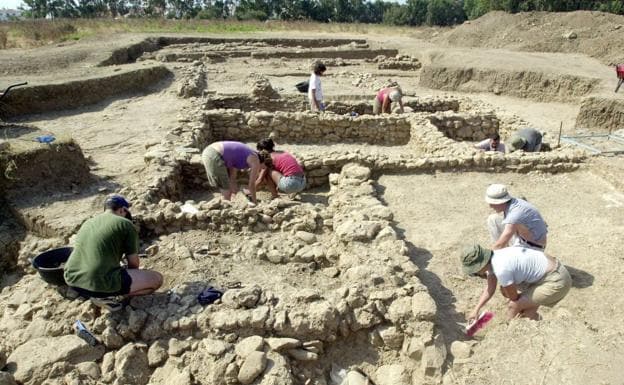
332,279
37,98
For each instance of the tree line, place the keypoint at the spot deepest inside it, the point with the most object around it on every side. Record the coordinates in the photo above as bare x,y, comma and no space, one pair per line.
408,13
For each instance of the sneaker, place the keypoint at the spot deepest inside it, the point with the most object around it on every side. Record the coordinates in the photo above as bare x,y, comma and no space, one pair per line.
109,303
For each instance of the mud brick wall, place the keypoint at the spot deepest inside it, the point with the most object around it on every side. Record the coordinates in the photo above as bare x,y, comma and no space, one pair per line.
465,127
307,127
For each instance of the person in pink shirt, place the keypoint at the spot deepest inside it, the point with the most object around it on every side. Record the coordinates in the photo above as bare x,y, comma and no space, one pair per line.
384,99
280,171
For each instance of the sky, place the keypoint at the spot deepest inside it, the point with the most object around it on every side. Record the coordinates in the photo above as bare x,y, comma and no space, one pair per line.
12,4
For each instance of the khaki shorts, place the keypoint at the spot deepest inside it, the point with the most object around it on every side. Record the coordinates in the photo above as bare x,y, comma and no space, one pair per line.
215,168
552,288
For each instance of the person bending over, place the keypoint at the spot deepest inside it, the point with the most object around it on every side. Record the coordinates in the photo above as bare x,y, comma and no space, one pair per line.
280,171
527,139
384,99
545,279
520,222
222,160
94,267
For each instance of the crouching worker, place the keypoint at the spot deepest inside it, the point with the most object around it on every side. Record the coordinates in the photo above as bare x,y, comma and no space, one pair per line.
280,170
382,104
94,267
546,280
223,160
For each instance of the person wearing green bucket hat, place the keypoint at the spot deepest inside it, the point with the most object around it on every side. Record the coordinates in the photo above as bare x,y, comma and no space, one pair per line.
545,279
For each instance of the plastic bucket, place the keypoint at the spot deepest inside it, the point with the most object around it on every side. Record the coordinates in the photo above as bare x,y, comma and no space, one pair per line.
50,264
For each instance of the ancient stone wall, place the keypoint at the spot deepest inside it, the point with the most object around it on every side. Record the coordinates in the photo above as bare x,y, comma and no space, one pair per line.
134,51
294,104
307,127
470,127
247,104
322,54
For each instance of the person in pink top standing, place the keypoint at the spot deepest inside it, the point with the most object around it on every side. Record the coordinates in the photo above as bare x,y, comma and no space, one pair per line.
222,161
384,99
280,171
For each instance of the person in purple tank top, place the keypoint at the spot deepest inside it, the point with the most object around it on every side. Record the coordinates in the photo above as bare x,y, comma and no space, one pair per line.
222,161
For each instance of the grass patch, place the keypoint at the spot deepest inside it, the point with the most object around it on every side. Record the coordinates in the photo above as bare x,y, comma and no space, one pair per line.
34,33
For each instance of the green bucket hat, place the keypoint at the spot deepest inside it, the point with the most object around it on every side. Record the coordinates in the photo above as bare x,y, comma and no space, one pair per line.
474,257
517,142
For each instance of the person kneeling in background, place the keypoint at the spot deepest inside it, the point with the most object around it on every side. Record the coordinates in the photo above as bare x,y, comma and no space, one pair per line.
384,99
492,143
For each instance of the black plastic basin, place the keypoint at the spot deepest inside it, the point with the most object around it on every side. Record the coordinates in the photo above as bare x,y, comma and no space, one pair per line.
50,265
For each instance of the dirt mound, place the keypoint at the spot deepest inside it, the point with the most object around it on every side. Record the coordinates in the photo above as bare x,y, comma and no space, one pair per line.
601,114
595,34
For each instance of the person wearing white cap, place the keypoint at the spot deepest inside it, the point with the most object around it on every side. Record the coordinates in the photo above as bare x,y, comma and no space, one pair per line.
520,223
384,99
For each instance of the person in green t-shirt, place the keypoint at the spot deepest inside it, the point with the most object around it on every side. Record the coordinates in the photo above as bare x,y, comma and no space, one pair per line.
94,267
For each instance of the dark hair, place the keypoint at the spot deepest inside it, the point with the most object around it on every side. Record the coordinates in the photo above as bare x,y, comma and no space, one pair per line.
266,144
319,68
115,202
265,158
495,136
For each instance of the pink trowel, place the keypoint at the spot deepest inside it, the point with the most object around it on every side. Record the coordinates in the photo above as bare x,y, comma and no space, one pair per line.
479,323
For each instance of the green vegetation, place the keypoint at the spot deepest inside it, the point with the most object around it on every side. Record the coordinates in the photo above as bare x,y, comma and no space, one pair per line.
76,19
32,33
410,12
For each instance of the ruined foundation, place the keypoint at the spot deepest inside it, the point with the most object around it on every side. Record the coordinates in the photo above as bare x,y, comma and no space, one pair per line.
309,284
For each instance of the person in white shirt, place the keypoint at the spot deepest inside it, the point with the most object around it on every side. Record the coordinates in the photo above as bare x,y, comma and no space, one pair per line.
492,143
315,92
546,281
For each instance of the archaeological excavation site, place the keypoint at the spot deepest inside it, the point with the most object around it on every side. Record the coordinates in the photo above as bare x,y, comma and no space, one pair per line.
355,280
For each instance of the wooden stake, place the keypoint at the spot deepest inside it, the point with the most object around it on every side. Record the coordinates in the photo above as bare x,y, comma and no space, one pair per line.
560,128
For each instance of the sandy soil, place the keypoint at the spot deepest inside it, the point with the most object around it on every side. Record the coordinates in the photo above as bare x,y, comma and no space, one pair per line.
586,226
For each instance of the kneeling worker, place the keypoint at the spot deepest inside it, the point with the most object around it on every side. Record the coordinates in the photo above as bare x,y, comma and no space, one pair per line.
93,268
547,280
527,139
382,104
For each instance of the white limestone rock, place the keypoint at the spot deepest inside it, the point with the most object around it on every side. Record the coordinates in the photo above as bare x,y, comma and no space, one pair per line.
252,366
31,361
249,345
